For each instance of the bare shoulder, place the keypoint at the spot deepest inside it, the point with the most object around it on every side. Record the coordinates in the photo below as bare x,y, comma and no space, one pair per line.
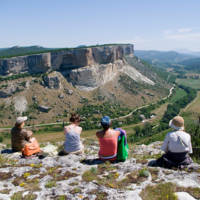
98,134
117,133
79,129
66,129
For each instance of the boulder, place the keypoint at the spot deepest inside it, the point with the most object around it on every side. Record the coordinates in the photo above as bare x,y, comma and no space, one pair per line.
52,81
8,92
43,108
61,96
70,92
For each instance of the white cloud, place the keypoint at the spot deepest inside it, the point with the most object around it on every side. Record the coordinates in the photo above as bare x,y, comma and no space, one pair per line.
135,40
184,37
167,32
183,30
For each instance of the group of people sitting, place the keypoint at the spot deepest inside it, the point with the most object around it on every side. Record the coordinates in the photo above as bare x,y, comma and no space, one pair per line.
177,144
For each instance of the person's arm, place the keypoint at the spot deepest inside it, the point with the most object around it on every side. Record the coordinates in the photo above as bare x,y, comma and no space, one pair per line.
26,134
190,147
80,130
118,133
165,144
66,130
97,134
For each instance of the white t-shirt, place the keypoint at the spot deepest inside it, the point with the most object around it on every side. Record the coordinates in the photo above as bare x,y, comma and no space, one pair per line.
173,144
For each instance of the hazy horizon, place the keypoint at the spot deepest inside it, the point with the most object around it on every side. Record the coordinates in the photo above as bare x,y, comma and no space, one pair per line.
149,25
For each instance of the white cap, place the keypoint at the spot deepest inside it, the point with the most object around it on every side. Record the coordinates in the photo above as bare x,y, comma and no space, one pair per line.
20,120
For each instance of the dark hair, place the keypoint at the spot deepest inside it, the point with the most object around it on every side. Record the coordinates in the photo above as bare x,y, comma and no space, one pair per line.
105,127
75,118
18,125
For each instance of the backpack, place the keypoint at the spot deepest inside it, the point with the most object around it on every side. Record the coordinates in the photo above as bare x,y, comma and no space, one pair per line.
122,153
31,148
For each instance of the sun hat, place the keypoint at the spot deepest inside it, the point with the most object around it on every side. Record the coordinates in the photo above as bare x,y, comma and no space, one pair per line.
105,121
20,120
177,123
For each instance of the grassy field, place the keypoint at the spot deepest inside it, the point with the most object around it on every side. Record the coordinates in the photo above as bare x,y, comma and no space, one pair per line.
194,83
179,94
195,105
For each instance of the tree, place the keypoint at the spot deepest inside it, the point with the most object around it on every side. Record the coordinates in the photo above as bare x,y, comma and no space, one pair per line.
137,130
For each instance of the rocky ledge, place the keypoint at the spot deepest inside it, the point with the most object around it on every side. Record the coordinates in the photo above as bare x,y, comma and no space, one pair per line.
86,177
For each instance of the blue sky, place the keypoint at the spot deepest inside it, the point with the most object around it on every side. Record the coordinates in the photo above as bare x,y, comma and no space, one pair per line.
149,25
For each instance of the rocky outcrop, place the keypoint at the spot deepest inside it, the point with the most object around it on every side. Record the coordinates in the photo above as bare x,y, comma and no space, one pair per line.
86,177
85,68
4,93
38,63
43,108
52,81
78,58
90,77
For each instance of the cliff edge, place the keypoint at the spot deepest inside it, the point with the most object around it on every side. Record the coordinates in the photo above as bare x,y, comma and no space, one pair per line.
86,177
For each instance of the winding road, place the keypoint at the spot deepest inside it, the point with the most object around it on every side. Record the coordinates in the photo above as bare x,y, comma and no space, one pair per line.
39,125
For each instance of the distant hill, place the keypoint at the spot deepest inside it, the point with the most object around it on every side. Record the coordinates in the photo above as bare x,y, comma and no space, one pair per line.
192,64
17,50
2,49
162,56
196,53
187,51
81,46
183,50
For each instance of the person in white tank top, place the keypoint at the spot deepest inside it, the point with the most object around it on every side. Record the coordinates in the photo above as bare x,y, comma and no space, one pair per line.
72,134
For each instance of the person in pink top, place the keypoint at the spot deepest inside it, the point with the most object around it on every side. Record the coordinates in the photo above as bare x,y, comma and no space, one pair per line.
108,139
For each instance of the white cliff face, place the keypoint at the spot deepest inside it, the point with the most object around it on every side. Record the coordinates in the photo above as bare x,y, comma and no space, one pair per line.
86,68
90,77
136,75
38,63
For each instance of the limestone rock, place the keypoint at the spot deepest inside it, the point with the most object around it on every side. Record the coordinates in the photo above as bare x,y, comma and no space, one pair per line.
184,196
43,108
70,92
38,63
53,167
7,92
52,81
61,96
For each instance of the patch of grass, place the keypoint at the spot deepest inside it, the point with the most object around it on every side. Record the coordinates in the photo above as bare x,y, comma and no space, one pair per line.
144,172
179,94
142,161
165,191
5,191
19,196
75,190
5,161
5,176
101,195
154,173
73,184
61,197
111,181
51,184
193,83
146,156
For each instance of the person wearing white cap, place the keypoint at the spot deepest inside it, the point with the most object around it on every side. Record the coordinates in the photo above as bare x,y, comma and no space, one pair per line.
20,137
177,145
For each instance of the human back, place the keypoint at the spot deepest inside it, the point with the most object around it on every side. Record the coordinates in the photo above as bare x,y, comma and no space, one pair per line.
108,140
72,135
19,136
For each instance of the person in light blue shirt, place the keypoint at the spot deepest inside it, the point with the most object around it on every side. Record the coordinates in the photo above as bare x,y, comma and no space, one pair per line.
72,134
